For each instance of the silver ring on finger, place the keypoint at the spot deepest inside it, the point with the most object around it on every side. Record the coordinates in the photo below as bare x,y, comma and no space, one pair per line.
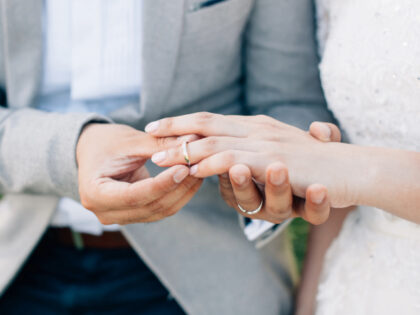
253,211
185,153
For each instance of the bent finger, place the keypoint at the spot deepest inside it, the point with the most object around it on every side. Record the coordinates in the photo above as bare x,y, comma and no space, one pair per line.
325,132
111,194
317,204
158,209
175,202
247,195
278,193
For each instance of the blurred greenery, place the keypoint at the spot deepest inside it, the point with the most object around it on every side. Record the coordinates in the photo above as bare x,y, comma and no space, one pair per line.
298,231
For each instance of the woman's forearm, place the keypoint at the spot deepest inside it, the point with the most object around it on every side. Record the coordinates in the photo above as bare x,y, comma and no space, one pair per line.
319,240
390,181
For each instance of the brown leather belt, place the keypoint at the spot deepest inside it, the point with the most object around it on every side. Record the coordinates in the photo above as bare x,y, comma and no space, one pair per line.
108,240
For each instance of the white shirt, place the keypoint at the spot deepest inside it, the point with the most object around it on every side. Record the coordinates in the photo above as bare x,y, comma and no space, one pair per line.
92,63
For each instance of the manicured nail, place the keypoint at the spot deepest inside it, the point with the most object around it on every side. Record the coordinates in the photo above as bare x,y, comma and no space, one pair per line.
193,169
326,132
318,197
240,180
159,157
180,175
278,177
152,127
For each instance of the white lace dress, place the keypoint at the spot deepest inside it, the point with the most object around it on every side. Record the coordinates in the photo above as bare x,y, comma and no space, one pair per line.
370,72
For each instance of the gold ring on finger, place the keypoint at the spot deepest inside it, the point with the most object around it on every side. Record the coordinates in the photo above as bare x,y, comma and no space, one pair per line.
185,152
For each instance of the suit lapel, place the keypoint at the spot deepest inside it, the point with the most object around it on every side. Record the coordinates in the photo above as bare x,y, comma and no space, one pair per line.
22,28
163,24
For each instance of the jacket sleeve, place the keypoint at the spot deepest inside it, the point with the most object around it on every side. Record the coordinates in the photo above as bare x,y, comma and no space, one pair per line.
281,64
37,151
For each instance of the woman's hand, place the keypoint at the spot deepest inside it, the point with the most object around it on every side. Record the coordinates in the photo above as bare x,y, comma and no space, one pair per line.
253,141
237,187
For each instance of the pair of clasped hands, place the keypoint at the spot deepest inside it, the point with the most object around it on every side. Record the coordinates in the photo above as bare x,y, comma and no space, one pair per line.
115,184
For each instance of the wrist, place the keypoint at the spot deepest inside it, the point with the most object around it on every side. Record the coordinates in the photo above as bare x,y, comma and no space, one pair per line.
84,136
360,173
352,166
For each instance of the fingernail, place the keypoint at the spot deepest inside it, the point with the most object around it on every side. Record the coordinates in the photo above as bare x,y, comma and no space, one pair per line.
240,180
326,132
158,157
278,177
153,126
318,197
180,175
193,169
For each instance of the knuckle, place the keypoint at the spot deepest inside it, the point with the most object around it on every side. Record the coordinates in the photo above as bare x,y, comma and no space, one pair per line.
130,200
210,144
265,119
249,201
162,142
105,220
271,210
229,157
225,186
166,123
87,203
279,214
261,118
156,207
174,154
204,116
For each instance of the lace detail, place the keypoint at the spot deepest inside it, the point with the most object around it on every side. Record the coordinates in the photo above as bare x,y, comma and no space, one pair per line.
369,272
370,71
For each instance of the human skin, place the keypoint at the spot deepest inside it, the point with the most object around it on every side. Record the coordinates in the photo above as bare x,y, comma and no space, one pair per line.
353,175
237,187
115,184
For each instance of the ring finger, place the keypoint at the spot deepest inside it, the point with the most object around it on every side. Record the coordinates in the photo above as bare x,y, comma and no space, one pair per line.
201,149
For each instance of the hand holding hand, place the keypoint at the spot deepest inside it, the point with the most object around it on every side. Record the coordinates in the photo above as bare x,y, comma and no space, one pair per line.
279,202
247,138
115,184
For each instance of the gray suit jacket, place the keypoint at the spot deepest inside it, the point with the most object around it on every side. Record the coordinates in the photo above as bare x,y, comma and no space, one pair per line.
235,56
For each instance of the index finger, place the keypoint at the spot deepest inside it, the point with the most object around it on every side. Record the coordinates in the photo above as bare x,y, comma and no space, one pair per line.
203,124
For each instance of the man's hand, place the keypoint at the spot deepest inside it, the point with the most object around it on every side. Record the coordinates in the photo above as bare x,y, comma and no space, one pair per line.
279,204
116,186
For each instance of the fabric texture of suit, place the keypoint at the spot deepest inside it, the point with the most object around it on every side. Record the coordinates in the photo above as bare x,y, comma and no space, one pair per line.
230,57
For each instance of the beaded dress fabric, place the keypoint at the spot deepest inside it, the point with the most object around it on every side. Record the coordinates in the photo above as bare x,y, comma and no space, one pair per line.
370,71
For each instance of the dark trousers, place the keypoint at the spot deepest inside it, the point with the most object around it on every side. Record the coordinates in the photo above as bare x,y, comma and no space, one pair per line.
63,280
